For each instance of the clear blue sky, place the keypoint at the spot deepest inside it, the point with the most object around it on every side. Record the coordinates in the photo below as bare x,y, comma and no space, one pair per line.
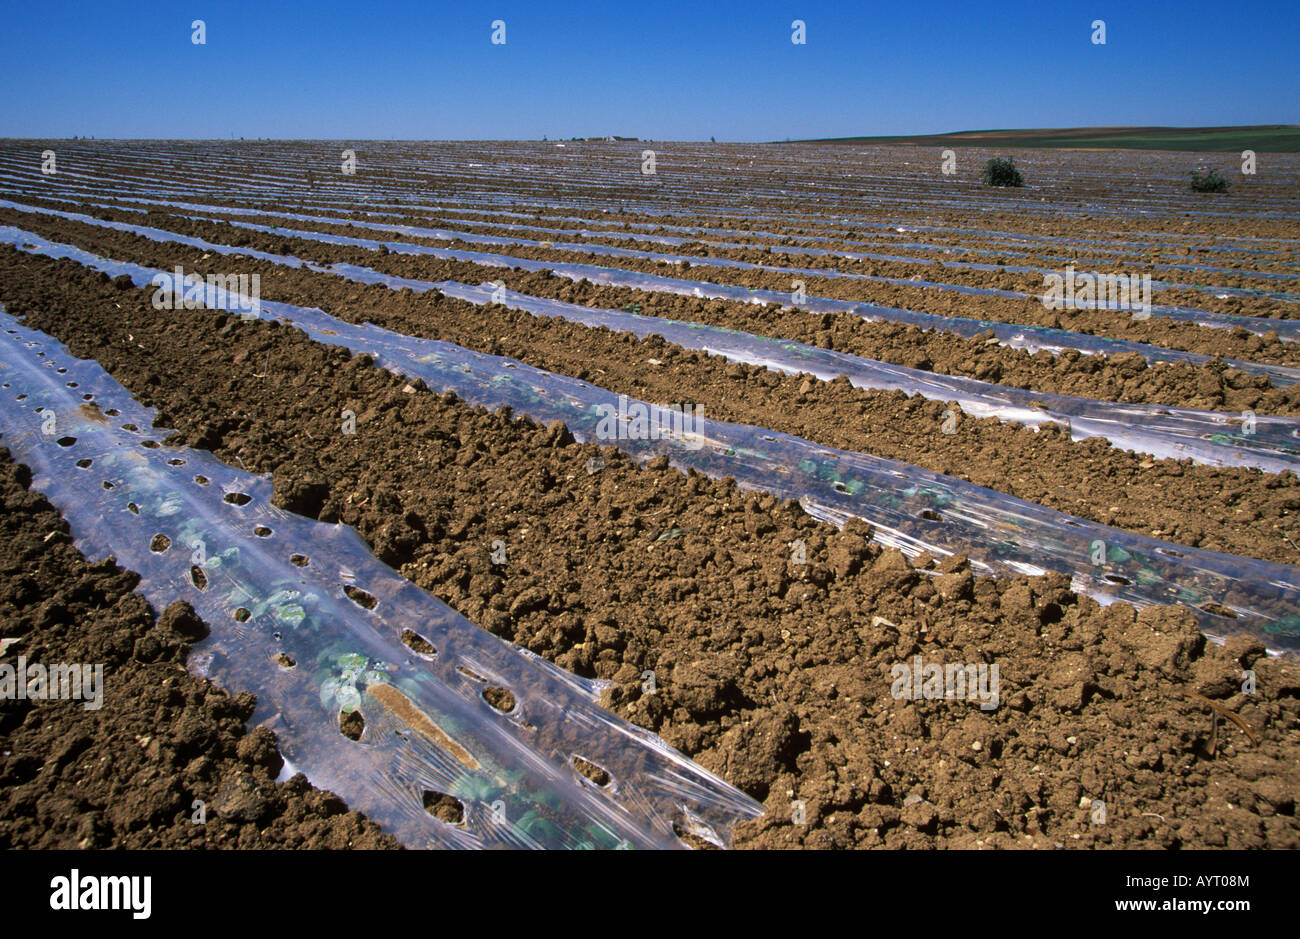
655,70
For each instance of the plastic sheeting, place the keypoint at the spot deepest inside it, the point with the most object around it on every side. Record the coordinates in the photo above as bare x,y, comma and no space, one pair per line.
1271,444
885,234
1030,338
1282,296
279,589
911,508
1287,330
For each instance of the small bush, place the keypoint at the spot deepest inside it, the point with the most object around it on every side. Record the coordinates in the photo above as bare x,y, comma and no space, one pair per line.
1211,181
1002,172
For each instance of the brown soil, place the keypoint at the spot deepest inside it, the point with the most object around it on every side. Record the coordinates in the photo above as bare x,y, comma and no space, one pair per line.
774,674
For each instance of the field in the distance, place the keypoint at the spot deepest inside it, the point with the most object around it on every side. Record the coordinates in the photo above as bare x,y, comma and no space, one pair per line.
1265,138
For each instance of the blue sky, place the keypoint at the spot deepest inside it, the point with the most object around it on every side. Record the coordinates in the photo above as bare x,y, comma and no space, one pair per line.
655,70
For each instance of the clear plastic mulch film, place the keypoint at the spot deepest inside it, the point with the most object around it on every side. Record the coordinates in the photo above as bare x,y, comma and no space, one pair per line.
1286,329
454,720
792,251
1268,443
1029,338
887,234
909,508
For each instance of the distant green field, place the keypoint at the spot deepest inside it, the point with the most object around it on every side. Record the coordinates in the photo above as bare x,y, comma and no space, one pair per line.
1271,138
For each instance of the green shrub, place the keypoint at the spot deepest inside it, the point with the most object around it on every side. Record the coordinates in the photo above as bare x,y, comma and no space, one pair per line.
1002,172
1211,181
